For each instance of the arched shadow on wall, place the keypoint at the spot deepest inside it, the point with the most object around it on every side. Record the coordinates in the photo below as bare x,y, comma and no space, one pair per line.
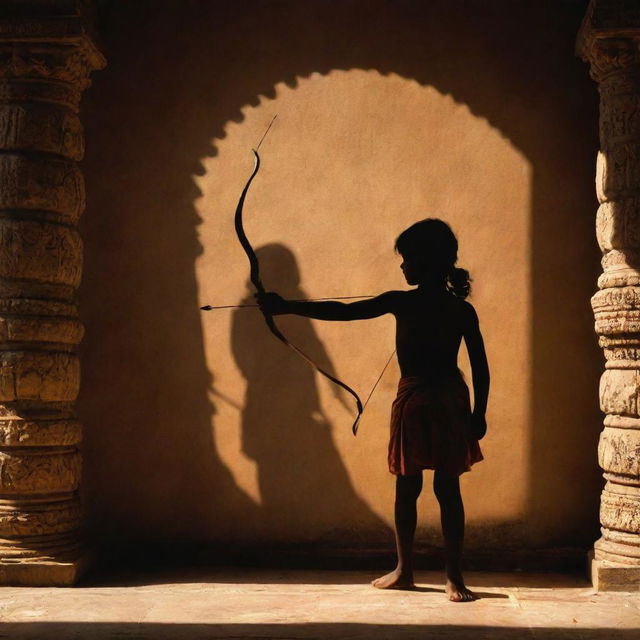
178,72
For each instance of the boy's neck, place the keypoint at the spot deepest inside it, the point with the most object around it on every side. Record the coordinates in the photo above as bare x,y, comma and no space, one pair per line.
432,286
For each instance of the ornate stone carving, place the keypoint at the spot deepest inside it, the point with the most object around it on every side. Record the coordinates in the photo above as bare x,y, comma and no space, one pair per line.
623,122
46,376
49,128
45,63
41,184
610,41
619,392
23,90
612,57
618,172
61,63
37,471
621,512
617,311
619,451
36,250
619,545
50,329
618,224
23,518
20,432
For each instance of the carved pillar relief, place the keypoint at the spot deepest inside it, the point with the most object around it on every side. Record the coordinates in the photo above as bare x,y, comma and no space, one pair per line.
44,67
611,44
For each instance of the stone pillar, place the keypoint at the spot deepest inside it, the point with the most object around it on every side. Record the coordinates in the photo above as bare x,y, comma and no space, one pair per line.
610,41
46,56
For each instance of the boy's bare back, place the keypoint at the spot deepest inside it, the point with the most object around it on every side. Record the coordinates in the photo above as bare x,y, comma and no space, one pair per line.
429,329
430,325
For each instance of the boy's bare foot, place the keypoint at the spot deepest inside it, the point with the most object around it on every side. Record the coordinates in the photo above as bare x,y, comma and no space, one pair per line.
457,592
395,580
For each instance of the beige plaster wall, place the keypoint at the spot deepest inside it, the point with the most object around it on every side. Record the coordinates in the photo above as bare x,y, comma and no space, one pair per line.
393,152
204,427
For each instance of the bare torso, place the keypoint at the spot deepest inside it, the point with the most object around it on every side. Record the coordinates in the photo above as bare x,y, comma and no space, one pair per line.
429,330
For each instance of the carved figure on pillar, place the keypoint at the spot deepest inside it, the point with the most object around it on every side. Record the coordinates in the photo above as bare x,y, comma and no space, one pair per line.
610,41
44,67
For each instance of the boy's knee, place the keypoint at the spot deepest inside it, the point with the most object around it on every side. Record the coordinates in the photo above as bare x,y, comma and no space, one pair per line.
408,487
445,487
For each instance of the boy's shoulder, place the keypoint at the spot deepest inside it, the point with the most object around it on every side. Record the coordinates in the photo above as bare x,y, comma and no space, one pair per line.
394,295
465,304
393,299
462,309
397,294
468,312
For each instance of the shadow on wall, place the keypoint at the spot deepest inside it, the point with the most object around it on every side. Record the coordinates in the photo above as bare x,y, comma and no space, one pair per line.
304,486
178,72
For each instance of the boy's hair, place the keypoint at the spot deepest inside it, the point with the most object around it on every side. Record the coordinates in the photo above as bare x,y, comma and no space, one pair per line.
433,239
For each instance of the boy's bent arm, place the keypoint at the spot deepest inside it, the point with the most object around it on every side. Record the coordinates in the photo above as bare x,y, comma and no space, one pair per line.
332,310
479,365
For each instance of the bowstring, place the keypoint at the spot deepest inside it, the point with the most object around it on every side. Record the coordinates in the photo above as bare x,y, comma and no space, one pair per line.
267,131
393,353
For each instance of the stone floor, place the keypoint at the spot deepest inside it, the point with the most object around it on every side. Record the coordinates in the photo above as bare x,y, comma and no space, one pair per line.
203,604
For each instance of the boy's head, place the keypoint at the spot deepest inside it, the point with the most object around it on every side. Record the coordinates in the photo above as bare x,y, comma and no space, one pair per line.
429,250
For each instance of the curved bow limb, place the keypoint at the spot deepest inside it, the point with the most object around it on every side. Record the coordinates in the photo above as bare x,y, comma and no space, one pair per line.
257,283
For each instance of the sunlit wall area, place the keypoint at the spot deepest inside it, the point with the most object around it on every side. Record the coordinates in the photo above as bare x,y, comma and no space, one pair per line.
353,159
201,426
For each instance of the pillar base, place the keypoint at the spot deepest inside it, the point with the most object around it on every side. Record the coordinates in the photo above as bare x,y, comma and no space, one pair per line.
43,573
608,576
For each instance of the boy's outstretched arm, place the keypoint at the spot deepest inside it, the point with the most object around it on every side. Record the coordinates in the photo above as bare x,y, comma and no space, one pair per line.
274,305
479,371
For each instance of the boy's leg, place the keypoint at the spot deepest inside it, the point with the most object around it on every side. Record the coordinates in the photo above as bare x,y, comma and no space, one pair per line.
447,490
408,489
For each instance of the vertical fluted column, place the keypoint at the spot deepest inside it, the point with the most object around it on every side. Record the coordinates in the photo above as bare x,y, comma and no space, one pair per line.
44,67
610,42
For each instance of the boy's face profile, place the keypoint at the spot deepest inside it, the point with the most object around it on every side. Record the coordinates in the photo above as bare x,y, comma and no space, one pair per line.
419,268
414,268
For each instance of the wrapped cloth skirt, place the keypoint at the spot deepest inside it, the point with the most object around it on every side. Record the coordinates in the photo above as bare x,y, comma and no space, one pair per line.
431,427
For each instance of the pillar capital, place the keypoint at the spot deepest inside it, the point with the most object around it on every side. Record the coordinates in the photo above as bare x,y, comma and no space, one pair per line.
51,40
607,19
609,38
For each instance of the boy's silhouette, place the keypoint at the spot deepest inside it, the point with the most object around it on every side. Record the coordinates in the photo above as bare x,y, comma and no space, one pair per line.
432,426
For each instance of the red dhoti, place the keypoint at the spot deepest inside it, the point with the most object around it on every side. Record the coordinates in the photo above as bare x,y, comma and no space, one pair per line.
431,427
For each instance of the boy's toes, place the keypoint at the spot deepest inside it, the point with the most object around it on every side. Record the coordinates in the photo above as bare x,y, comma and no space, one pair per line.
394,580
458,592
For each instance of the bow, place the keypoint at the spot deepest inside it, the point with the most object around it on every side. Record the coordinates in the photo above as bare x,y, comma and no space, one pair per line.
257,283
